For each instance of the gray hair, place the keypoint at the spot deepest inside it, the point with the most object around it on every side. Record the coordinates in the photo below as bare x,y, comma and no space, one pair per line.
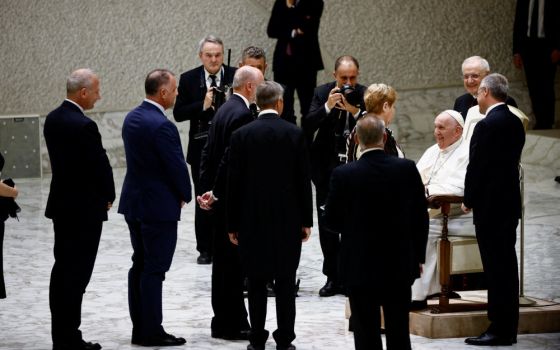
268,93
210,39
243,75
481,62
78,79
253,52
497,85
370,129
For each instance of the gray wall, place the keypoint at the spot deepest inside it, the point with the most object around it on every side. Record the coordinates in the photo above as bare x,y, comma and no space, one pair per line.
409,44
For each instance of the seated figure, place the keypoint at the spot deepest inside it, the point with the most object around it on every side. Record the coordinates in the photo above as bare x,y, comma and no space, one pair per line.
442,168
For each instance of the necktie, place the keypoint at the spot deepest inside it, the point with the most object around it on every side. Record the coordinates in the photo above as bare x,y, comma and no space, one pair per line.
254,110
213,83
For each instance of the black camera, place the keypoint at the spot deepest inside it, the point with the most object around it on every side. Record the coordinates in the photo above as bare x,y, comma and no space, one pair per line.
218,98
351,95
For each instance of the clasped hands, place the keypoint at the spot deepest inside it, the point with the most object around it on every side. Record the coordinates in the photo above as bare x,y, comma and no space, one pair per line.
206,200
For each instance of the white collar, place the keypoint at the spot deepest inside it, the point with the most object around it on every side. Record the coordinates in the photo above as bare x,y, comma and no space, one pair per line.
268,111
75,104
243,98
371,149
160,107
493,106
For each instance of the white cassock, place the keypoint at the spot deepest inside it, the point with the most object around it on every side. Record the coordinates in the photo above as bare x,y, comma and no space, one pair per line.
442,172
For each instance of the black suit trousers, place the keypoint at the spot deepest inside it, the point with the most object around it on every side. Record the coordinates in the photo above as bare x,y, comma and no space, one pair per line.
153,244
75,250
330,241
202,218
284,288
2,285
540,73
303,83
230,314
365,305
496,241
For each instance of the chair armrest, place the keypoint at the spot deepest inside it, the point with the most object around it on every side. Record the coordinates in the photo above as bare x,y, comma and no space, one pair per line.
443,201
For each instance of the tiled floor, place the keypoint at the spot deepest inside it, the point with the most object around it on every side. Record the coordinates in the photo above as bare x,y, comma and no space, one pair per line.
320,323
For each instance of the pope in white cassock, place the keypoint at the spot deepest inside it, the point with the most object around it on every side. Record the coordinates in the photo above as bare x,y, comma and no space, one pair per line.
442,168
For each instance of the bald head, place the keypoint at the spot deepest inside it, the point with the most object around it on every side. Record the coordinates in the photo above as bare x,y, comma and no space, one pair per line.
82,87
246,80
447,129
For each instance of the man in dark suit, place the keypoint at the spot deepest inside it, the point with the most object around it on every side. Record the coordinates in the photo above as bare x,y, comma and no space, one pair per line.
329,122
82,191
269,211
536,48
230,315
196,102
297,55
474,69
155,188
493,177
256,57
378,205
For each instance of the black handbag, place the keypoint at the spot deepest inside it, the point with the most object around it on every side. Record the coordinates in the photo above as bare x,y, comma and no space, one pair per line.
8,205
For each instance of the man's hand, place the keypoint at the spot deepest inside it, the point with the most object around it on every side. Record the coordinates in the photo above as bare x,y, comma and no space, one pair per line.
206,200
335,99
305,233
208,99
109,205
233,237
518,61
348,107
465,209
555,56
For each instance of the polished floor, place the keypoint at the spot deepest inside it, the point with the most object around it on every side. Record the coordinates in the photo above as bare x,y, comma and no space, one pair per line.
320,322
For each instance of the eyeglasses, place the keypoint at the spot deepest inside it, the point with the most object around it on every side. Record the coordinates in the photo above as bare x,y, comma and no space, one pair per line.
471,76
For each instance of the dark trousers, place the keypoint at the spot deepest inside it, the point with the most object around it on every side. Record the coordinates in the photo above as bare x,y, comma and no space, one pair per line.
202,218
2,285
303,83
365,306
330,241
75,250
284,288
540,73
153,245
230,314
496,241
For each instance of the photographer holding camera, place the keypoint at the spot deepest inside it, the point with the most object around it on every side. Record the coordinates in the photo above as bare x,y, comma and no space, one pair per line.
201,93
333,113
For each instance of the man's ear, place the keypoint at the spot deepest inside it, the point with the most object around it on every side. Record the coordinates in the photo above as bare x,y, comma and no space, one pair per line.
384,136
356,139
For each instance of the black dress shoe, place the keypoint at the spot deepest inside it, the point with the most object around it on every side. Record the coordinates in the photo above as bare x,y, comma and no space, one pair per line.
162,340
204,259
238,335
255,347
329,289
417,305
83,345
288,347
489,339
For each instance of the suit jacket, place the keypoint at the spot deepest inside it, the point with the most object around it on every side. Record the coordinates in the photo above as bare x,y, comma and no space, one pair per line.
324,152
231,116
305,51
551,26
157,178
188,106
492,179
82,179
269,195
466,101
378,205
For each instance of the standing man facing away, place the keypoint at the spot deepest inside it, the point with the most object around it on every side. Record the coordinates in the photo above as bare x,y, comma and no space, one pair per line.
197,91
536,48
269,211
332,117
155,188
474,69
493,175
82,191
377,204
230,315
297,55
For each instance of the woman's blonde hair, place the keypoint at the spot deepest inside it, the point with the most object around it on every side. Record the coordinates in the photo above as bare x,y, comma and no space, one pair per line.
376,95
